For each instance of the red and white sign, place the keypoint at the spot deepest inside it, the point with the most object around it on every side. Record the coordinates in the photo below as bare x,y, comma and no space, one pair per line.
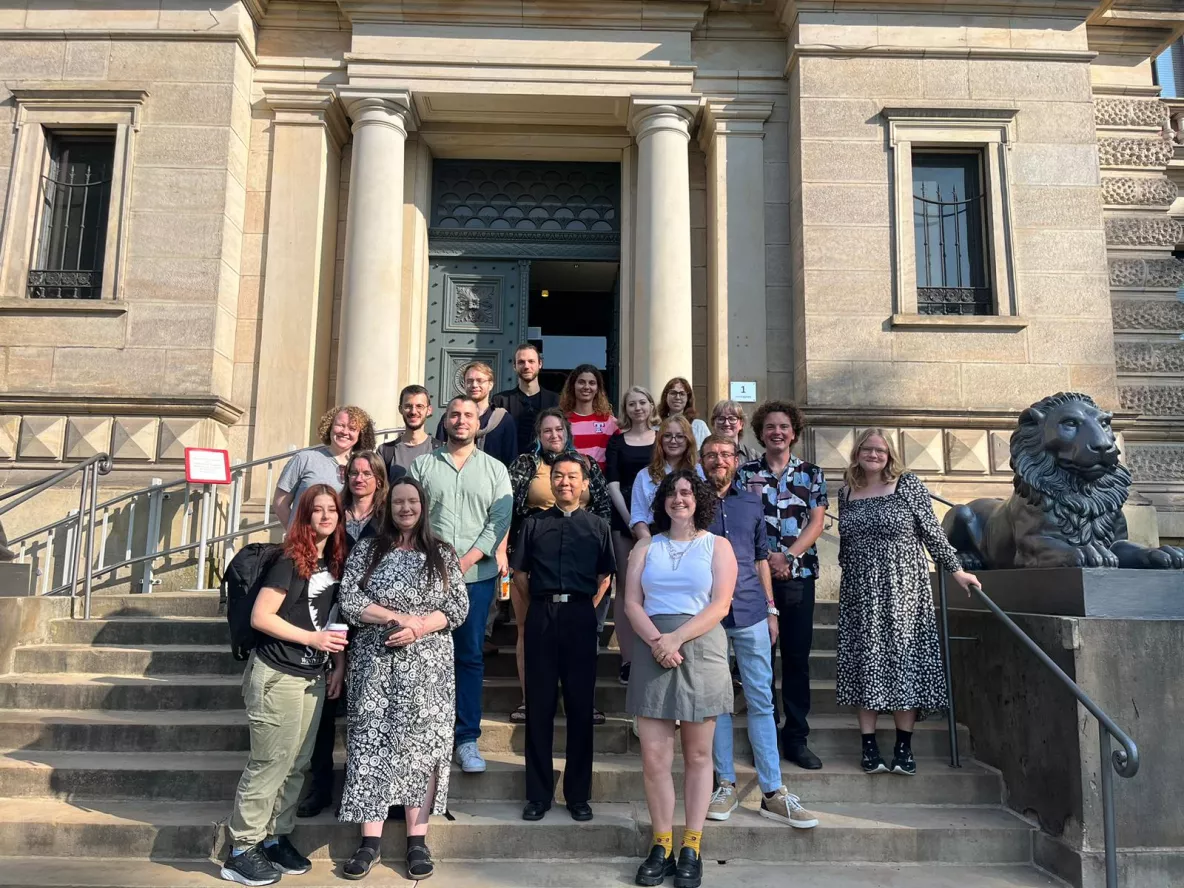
207,466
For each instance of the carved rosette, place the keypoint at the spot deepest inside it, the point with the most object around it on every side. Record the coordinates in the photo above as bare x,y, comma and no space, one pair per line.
1131,191
1165,273
1153,400
1130,112
1143,231
1149,357
1153,463
1123,152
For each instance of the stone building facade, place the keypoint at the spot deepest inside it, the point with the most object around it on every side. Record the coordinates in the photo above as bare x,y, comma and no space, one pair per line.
890,213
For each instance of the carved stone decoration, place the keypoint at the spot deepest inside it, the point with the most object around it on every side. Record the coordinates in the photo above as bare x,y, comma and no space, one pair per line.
87,435
1149,357
1000,453
473,304
1143,231
1149,153
1130,112
922,450
1132,191
1067,507
177,434
1154,463
1168,273
1148,314
134,438
10,427
967,451
42,437
832,447
1153,400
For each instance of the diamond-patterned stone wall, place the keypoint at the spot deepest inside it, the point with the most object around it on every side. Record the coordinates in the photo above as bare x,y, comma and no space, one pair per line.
921,450
87,435
966,451
832,447
41,437
134,438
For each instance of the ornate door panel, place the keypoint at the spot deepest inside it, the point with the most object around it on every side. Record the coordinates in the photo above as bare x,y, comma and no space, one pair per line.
476,312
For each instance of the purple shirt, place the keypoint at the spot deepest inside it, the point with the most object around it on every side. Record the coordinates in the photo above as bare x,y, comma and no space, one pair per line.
740,519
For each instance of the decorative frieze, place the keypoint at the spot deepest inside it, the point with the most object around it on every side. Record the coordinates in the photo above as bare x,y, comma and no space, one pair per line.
1130,112
1149,357
922,450
967,451
931,451
1154,463
1133,191
41,437
1153,400
87,436
832,447
1143,231
10,427
1148,314
1122,152
1167,273
135,438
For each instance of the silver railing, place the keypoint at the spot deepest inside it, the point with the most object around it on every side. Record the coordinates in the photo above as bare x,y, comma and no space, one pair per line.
211,516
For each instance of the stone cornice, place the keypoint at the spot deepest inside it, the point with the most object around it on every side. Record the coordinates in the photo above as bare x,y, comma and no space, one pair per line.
935,418
293,106
732,117
211,406
135,34
85,95
799,50
644,15
787,11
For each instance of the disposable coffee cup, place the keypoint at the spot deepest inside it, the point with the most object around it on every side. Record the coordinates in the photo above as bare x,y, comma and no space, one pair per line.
338,627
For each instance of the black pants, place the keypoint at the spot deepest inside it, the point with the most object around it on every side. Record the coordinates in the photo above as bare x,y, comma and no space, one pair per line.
320,769
560,643
795,600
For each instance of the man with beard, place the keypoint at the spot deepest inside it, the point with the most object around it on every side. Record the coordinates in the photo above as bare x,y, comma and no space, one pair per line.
469,507
497,435
526,400
415,406
751,625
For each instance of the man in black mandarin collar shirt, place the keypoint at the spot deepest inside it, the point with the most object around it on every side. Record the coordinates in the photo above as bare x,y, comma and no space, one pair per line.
563,560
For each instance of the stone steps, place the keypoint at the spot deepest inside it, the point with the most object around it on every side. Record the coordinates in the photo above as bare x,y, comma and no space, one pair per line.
213,776
847,832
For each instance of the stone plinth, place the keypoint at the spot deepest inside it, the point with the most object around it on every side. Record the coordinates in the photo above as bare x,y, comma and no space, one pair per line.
1084,592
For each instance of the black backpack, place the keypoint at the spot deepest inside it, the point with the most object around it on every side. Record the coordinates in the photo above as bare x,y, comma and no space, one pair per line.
240,587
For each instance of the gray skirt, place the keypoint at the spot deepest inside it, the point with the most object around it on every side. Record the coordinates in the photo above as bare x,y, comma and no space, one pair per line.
698,689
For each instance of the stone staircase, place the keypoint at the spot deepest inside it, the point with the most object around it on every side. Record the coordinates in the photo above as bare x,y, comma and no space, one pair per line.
122,740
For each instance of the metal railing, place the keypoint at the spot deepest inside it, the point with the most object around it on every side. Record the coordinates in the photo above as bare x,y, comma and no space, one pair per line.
210,516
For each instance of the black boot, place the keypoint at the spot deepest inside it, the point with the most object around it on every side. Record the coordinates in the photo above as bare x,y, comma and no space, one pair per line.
655,868
317,800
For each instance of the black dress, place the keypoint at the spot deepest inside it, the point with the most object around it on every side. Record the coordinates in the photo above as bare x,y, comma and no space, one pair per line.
622,462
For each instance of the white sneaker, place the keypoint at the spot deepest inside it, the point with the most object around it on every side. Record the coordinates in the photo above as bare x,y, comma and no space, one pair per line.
785,807
469,758
723,802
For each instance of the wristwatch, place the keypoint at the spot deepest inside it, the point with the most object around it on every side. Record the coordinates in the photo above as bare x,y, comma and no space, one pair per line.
771,609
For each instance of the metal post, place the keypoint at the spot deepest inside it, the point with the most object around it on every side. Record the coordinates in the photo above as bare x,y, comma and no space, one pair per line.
88,577
46,569
234,512
155,505
76,550
204,534
951,712
267,497
1105,765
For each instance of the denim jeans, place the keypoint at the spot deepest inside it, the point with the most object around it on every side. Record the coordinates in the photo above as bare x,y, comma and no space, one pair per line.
468,642
754,657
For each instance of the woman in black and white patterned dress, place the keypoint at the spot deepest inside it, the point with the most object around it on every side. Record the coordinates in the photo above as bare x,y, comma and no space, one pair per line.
889,658
402,692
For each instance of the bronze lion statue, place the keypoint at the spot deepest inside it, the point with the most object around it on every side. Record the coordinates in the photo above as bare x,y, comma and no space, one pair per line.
1067,507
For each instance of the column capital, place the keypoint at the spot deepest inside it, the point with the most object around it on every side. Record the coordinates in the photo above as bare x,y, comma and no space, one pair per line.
651,114
291,106
381,105
732,117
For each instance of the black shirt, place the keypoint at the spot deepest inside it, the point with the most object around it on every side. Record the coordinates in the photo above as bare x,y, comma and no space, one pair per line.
310,604
564,553
525,410
622,462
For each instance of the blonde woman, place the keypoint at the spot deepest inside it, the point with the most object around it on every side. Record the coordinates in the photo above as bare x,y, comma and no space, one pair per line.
675,451
728,419
889,659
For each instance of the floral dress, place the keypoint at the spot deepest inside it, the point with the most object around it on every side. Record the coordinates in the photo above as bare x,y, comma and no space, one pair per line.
889,657
402,700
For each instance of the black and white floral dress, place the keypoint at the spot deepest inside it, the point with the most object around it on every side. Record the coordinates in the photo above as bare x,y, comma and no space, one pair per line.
402,700
889,657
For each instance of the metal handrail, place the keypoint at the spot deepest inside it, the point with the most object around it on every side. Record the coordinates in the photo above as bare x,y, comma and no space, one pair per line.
35,487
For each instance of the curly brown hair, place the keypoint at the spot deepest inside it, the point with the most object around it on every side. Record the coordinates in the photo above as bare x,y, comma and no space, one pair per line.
796,419
664,408
567,398
358,419
706,501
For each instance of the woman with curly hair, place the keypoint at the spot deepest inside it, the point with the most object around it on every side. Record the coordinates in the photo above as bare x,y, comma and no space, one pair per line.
675,452
678,397
342,431
284,687
585,401
678,589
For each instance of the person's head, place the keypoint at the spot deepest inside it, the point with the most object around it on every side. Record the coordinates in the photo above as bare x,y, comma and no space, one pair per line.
677,397
477,377
415,406
638,410
718,455
873,459
406,518
461,420
346,428
318,519
365,475
683,498
727,418
778,425
675,447
527,362
569,480
584,387
552,431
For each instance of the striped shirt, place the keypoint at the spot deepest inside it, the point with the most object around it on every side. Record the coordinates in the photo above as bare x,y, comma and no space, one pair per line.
590,434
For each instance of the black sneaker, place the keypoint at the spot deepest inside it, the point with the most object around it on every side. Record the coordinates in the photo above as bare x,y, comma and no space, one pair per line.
655,868
250,868
689,873
287,859
623,674
872,762
903,761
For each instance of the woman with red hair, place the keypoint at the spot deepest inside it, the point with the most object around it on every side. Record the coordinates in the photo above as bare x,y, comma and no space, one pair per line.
285,685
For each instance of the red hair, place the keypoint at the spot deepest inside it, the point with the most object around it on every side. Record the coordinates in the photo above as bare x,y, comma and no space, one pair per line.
301,542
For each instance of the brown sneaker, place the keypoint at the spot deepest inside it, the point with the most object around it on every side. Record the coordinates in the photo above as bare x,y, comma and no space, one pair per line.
785,807
723,801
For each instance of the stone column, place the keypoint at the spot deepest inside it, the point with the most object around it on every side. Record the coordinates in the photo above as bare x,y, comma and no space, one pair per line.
295,324
731,137
371,288
662,239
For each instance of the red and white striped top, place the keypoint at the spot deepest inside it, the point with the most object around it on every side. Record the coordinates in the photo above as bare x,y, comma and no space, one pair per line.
590,433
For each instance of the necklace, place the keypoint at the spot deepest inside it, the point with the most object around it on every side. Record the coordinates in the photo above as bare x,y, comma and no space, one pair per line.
676,554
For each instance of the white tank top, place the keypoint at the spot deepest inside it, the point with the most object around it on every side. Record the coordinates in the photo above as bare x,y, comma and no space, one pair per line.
676,578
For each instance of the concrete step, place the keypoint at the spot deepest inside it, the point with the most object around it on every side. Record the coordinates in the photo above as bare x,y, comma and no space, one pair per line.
900,834
58,690
226,730
157,604
115,873
177,659
213,776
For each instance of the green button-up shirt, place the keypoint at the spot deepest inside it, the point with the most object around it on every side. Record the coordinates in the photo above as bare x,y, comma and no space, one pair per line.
469,508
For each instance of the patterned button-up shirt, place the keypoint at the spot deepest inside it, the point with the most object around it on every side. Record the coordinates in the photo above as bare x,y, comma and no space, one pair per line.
788,500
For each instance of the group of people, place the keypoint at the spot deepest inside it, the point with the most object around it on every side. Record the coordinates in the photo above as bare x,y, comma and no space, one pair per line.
706,548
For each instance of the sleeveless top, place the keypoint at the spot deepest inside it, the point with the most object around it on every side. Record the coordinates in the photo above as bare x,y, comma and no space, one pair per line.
676,578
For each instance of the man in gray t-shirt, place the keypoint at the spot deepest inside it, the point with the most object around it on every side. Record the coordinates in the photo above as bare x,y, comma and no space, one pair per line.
317,465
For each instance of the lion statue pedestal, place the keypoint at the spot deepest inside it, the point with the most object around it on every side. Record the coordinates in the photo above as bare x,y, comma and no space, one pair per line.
1067,507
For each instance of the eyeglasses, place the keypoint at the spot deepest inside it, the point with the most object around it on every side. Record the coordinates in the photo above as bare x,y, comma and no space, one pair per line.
676,393
873,451
669,437
367,475
728,420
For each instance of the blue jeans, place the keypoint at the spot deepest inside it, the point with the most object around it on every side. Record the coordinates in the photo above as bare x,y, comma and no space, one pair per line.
468,642
754,657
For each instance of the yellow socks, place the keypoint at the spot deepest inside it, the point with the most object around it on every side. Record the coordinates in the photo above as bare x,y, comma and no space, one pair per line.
666,840
691,839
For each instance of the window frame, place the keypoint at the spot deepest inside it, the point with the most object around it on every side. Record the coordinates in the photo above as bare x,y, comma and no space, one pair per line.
990,131
43,111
